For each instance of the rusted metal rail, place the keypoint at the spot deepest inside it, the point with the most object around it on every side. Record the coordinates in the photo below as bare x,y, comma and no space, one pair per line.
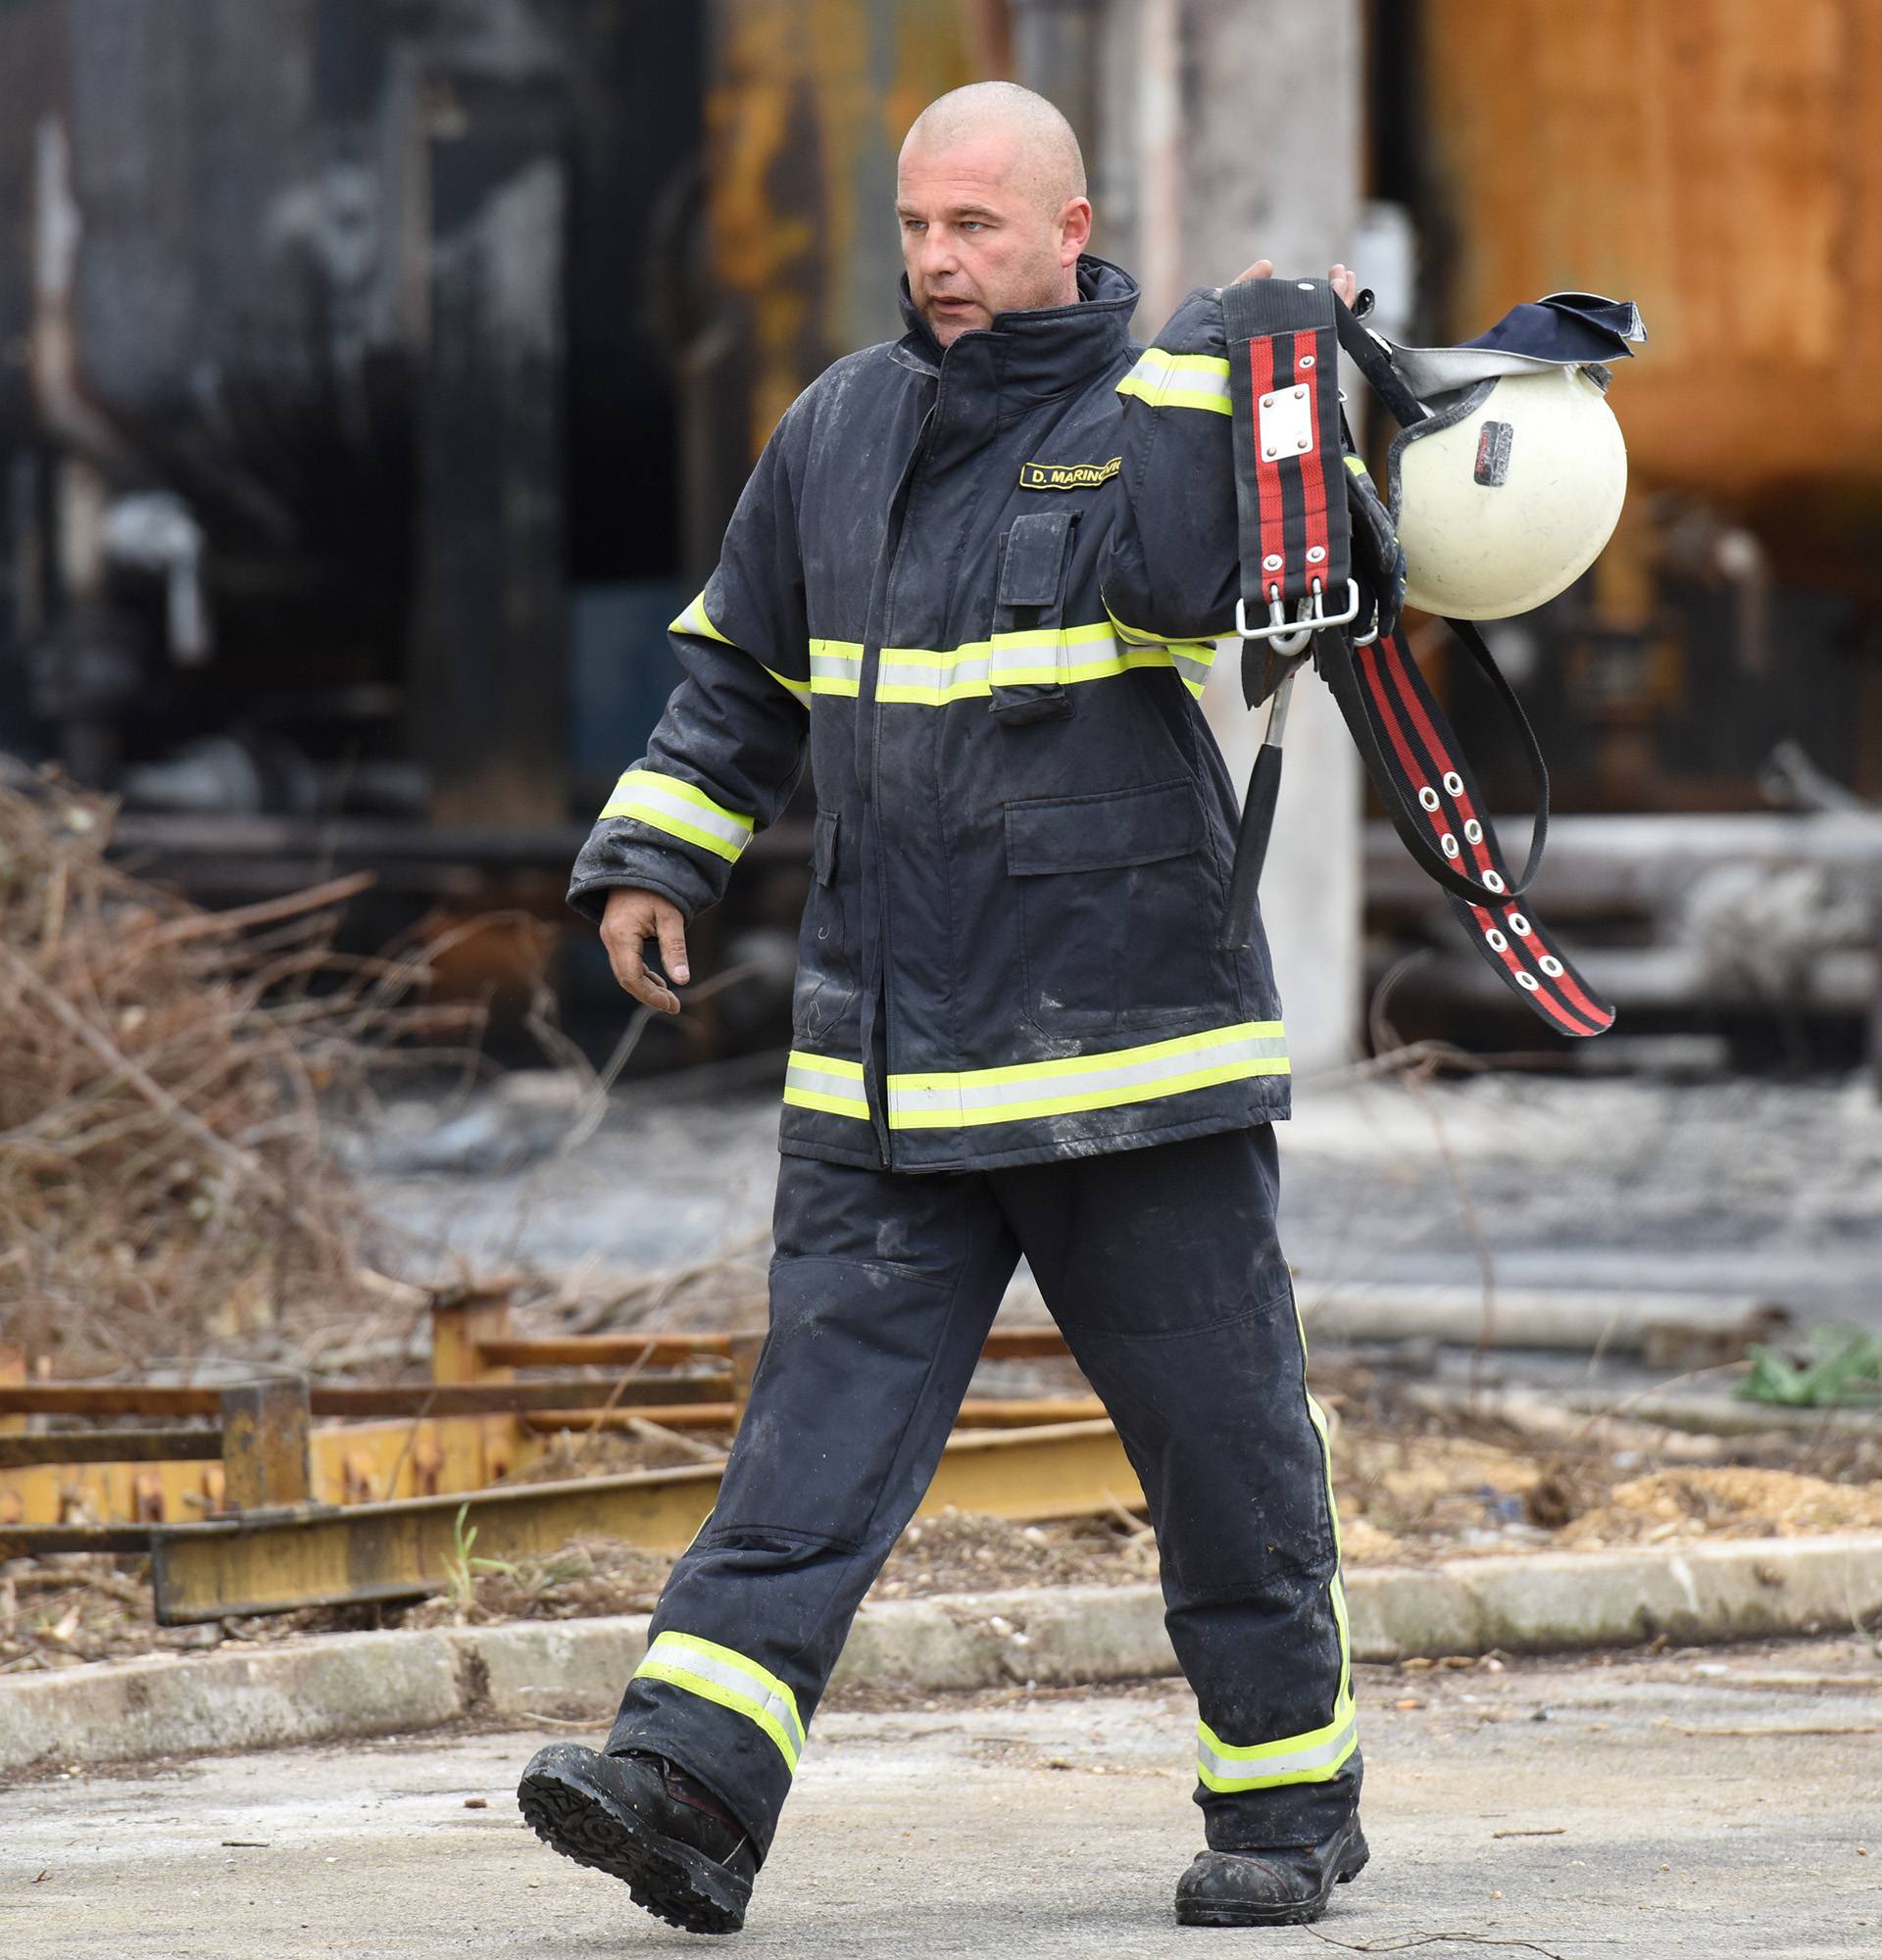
364,1552
372,1505
111,1445
978,1412
625,1351
402,1398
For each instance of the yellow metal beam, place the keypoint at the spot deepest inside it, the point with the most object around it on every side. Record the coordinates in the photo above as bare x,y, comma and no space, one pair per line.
1069,1470
384,1552
400,1550
349,1464
989,1412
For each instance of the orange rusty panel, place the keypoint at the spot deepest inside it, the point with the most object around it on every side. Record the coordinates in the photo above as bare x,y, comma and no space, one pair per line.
806,106
1711,160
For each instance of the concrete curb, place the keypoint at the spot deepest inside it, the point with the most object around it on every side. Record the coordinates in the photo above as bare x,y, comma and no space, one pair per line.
347,1684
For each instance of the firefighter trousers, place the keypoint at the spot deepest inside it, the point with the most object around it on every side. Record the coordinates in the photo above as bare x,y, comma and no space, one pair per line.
1163,1268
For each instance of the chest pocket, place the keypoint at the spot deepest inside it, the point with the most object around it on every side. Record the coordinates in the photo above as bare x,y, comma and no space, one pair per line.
1029,658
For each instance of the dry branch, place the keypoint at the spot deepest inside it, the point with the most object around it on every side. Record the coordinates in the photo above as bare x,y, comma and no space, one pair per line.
164,1182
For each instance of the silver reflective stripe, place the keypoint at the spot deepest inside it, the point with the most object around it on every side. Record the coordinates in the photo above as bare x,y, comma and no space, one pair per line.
698,621
847,1088
1284,1763
724,1674
642,788
798,690
1179,381
936,677
1025,662
1193,666
964,1094
837,667
938,672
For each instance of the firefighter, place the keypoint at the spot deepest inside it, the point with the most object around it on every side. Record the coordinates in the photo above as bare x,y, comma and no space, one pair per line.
1013,1033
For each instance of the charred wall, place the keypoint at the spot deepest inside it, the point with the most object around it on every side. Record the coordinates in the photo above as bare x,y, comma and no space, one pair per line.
349,311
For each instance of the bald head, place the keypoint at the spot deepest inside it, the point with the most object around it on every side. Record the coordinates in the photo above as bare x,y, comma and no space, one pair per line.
1048,165
990,193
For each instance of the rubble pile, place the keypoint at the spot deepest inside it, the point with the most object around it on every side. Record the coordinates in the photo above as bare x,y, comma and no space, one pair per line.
1732,1500
163,1181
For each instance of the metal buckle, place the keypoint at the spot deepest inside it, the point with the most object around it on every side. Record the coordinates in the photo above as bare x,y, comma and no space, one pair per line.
1291,636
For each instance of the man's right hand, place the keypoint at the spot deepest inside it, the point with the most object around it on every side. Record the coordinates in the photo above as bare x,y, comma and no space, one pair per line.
632,917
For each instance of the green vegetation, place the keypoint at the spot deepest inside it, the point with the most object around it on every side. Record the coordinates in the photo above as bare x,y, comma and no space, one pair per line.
1843,1370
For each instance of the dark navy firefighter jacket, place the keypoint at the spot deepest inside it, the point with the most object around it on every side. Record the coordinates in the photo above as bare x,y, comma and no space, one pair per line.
1023,826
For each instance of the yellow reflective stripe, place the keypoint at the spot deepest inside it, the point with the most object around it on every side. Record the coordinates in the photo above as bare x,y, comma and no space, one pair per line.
665,803
836,666
1022,1090
799,688
1313,1757
931,677
938,677
695,621
1319,1753
727,1676
1336,1587
1179,381
1105,1081
1136,636
1192,659
935,677
815,1082
1069,1082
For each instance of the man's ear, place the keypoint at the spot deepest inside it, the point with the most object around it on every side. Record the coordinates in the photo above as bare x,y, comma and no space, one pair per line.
1075,230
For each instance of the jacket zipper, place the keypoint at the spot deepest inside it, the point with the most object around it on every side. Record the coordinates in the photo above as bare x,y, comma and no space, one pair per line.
869,784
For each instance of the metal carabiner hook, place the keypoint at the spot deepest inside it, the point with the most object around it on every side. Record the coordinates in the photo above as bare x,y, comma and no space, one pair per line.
1288,637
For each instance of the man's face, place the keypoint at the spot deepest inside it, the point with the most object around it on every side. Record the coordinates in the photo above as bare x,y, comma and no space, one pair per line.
976,242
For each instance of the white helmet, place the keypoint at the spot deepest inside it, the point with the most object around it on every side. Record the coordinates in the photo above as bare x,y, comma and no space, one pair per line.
1509,490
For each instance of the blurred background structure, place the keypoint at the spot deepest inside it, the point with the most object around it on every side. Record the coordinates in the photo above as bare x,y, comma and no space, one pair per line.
376,377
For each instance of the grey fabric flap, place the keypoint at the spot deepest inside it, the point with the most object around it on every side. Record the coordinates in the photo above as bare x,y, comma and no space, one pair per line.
824,847
1033,566
1102,833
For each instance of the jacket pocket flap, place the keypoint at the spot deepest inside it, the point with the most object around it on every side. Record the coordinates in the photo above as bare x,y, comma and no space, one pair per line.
1033,564
1102,833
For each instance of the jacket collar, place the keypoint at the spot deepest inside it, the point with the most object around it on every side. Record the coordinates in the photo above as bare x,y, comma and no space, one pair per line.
1039,351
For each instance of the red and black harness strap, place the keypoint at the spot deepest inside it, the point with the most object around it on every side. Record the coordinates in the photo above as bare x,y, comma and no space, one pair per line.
1427,771
1291,499
1290,489
1294,532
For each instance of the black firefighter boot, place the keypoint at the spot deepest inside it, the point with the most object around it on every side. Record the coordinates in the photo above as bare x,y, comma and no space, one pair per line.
645,1820
1284,1887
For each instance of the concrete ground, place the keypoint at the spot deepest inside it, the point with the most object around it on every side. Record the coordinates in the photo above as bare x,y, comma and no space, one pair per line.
1738,1185
1723,1802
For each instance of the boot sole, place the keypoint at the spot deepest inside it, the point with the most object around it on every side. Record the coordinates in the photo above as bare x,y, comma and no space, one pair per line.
668,1879
1299,1912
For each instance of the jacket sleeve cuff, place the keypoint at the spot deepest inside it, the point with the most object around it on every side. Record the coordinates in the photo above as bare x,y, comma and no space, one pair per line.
616,856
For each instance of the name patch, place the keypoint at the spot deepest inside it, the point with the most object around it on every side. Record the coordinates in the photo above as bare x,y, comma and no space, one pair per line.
1068,475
